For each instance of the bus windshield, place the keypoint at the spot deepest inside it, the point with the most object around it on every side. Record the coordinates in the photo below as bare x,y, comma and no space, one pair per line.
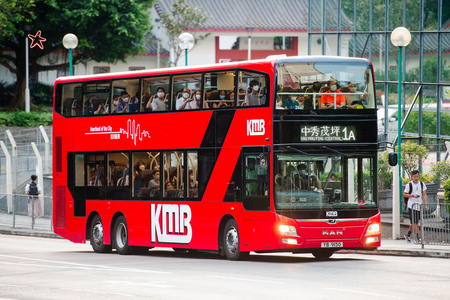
303,86
305,182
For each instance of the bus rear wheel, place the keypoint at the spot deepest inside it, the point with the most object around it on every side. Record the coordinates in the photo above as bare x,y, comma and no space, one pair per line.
120,236
96,237
231,242
322,254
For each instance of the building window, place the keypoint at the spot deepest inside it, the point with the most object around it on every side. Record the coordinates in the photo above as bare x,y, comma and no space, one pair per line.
278,43
136,68
100,70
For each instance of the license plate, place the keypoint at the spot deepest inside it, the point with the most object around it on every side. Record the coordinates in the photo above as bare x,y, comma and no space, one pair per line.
332,244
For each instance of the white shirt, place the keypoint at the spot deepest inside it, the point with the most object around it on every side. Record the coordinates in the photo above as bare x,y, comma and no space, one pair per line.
158,104
189,105
416,190
27,188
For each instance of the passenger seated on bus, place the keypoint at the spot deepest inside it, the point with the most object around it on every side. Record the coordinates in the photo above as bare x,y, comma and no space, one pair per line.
154,184
133,104
198,98
113,173
212,96
137,178
327,101
354,100
185,102
123,102
291,102
222,96
252,97
94,106
157,103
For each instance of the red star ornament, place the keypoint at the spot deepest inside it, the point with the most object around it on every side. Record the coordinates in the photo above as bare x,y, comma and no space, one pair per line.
37,40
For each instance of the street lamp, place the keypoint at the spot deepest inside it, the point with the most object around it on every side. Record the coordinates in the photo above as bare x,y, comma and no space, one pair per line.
186,42
70,42
400,37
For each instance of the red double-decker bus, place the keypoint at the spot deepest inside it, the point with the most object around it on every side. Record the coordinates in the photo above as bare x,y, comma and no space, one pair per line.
266,156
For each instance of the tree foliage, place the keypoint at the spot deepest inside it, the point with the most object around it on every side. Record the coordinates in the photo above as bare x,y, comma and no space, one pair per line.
107,31
182,18
412,154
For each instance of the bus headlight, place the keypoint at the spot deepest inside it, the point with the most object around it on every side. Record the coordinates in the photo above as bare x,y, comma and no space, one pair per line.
287,230
372,239
373,229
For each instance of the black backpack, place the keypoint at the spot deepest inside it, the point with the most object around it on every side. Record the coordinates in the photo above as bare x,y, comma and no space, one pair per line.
33,189
410,191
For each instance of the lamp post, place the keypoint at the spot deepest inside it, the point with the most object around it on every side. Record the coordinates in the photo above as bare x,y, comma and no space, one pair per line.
186,42
70,42
400,37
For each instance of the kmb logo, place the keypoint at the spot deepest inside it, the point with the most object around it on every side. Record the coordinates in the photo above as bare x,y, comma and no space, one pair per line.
256,127
175,221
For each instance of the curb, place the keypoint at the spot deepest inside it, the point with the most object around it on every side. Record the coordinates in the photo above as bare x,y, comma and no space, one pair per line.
392,252
32,233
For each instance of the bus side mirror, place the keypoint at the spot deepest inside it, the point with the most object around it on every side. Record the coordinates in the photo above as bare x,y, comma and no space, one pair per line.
392,159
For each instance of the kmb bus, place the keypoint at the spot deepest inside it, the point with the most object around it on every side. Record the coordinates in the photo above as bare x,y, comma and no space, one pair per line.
274,155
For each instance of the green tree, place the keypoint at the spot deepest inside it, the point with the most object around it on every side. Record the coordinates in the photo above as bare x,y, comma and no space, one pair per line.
182,18
107,30
412,153
429,71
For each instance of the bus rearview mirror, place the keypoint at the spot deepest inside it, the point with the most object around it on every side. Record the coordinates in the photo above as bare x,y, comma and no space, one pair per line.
393,159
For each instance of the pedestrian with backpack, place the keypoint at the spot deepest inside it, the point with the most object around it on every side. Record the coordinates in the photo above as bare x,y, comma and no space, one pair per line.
32,189
415,192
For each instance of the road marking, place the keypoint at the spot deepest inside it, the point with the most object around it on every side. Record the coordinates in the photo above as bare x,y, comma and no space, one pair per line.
98,292
246,279
365,293
76,265
159,284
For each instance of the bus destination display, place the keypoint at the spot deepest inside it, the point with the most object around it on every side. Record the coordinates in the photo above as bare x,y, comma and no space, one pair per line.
327,133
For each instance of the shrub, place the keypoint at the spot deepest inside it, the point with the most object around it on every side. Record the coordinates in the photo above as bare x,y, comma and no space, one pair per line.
447,194
440,171
21,118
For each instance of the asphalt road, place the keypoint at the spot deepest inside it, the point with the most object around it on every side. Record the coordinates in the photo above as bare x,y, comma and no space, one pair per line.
38,268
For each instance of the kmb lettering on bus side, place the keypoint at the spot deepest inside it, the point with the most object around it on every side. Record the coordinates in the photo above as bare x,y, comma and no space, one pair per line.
175,220
256,127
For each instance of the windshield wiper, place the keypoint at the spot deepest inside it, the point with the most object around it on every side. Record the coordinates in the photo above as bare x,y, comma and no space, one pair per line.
297,150
332,150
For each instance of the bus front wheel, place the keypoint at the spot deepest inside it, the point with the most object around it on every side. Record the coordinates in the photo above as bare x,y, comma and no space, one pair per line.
120,236
231,241
96,237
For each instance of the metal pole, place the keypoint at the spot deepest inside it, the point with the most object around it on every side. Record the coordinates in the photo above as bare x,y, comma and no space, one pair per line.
9,188
399,151
47,149
40,174
185,56
249,53
70,62
27,88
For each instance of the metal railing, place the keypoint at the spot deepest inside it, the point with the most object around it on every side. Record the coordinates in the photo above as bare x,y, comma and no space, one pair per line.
23,211
434,224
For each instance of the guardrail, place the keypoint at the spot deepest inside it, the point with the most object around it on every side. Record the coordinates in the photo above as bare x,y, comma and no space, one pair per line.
434,224
23,211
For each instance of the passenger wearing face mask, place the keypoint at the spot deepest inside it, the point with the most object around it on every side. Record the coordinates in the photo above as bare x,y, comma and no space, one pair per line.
154,184
252,97
184,102
137,182
123,102
291,102
327,100
353,99
158,103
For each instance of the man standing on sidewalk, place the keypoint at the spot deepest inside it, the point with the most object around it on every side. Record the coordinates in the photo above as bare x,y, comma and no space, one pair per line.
415,191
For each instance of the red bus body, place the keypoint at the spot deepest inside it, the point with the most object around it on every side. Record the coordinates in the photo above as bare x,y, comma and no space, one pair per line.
184,223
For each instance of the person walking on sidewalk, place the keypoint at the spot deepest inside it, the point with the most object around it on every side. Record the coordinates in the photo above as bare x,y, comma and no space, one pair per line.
32,189
415,191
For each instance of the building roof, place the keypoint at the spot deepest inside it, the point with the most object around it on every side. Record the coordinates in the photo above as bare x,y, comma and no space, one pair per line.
262,15
151,48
